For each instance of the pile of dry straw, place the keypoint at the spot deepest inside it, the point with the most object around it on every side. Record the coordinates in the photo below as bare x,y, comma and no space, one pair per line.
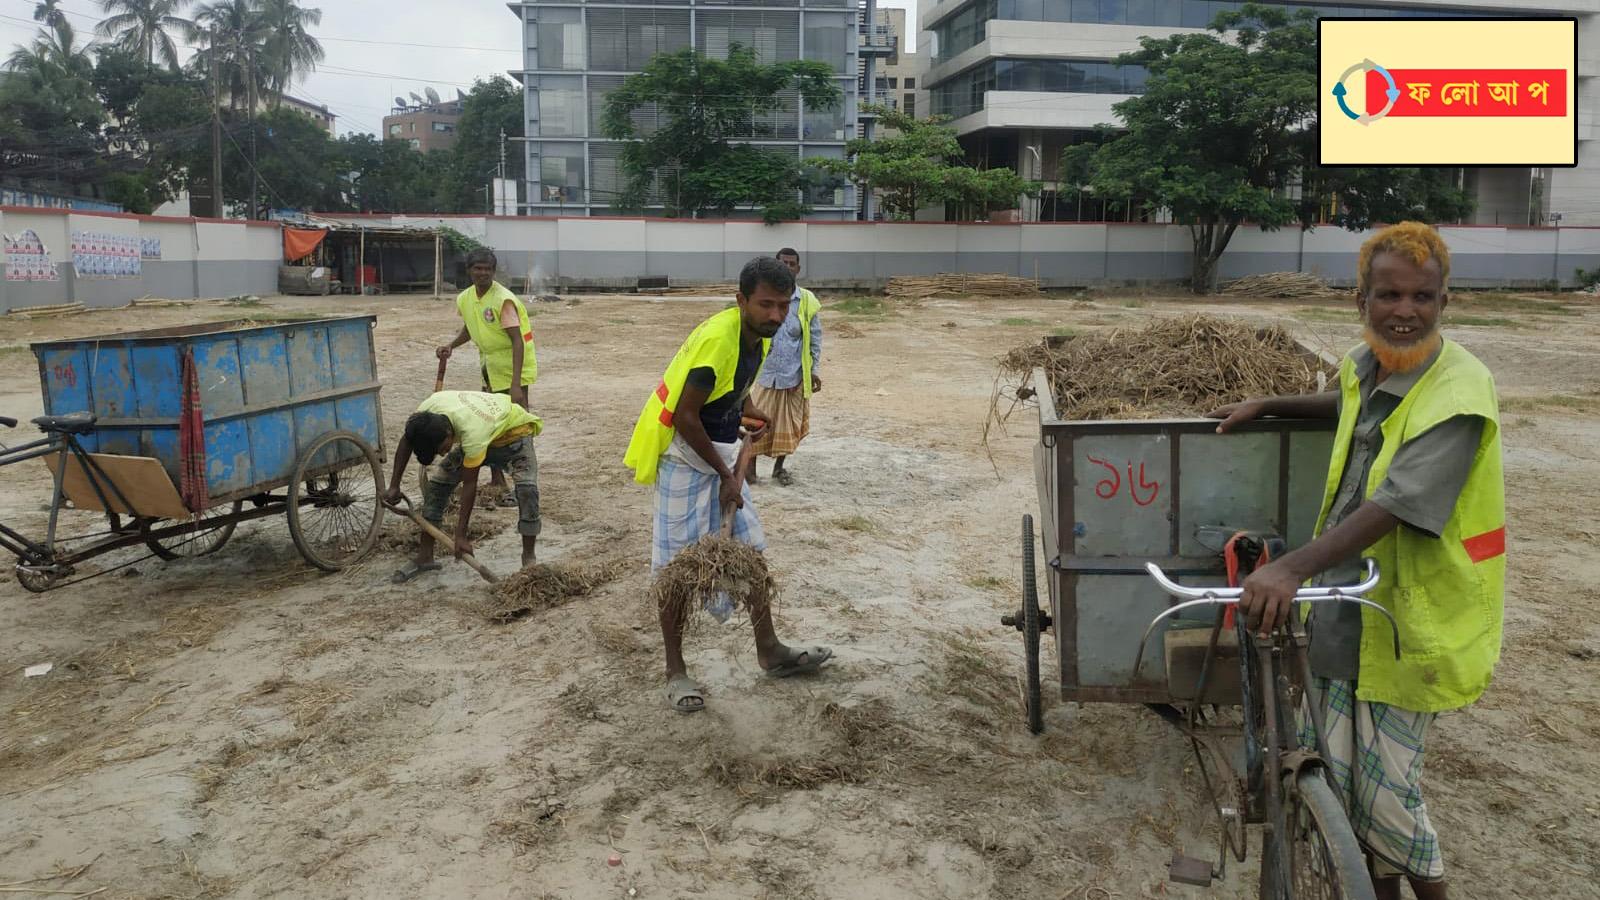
917,287
709,565
1176,367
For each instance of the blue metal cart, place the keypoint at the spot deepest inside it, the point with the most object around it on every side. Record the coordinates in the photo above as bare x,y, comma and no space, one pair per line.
288,422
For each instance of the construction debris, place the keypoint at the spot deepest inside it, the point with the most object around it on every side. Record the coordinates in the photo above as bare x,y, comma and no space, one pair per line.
1282,285
918,287
1184,366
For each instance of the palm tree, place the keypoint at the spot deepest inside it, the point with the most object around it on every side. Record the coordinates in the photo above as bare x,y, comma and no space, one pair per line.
141,26
290,51
48,13
55,73
233,31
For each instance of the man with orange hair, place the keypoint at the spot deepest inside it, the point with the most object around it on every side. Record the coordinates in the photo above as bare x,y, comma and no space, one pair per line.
1415,481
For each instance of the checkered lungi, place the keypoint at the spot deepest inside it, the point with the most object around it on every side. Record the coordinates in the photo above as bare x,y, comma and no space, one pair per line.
1376,752
687,510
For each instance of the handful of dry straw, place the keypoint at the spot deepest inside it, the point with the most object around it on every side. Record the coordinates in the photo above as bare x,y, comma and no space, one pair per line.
1183,366
713,563
540,587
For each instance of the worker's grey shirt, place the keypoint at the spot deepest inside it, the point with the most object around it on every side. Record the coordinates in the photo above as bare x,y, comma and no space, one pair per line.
1420,489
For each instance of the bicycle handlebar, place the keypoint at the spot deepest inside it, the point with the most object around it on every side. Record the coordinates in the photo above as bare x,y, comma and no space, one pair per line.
1223,596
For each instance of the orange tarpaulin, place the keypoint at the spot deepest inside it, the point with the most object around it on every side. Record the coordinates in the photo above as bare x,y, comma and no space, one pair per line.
299,242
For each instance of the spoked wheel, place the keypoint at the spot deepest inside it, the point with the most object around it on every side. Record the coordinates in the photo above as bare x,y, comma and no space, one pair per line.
1325,860
335,501
202,534
1030,628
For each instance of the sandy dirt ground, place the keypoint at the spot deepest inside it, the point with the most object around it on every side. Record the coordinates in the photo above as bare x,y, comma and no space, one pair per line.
243,726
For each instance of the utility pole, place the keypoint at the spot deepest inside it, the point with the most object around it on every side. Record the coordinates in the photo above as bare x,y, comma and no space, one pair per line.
871,14
255,176
499,206
216,131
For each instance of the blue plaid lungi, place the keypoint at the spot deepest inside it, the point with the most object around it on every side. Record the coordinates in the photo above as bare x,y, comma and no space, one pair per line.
687,510
1376,752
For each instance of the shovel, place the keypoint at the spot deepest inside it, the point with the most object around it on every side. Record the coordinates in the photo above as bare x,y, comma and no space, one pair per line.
409,512
740,466
438,380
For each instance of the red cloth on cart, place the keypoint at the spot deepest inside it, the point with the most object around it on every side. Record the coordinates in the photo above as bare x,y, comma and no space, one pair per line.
191,440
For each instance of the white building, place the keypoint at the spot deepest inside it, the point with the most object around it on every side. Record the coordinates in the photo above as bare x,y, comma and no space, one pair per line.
1023,79
575,53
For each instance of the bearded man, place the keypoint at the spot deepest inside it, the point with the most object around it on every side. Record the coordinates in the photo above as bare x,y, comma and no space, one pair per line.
1415,482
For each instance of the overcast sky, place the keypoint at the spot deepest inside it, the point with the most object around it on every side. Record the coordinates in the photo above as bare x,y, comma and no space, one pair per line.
369,62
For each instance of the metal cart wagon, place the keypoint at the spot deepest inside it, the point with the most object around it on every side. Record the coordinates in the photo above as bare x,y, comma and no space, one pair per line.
1136,516
285,416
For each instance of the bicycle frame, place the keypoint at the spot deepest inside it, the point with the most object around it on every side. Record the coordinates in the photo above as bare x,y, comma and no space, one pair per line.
33,553
1269,734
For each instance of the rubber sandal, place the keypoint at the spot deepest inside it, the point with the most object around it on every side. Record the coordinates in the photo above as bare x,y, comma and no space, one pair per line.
814,658
406,573
681,688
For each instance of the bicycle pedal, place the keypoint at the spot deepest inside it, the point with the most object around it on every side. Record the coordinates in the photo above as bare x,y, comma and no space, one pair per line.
1188,870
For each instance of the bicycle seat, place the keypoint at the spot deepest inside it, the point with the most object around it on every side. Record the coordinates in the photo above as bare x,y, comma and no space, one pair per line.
73,423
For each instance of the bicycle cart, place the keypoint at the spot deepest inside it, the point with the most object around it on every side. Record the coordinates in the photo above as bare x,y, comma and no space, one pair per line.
1138,515
177,435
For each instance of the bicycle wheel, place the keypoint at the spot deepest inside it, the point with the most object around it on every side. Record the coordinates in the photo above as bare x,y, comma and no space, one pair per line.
335,505
1325,860
202,534
1030,628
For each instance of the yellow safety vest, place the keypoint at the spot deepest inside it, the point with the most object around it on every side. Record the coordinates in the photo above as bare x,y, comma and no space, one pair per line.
809,306
1447,593
714,343
482,318
481,421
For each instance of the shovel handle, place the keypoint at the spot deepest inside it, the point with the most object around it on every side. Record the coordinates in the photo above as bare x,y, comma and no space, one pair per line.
739,468
438,380
433,531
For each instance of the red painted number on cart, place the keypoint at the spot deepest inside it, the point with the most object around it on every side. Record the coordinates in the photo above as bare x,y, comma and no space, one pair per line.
1143,491
66,375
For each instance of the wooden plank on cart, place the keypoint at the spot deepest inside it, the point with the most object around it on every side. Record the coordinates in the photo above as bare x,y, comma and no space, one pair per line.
141,479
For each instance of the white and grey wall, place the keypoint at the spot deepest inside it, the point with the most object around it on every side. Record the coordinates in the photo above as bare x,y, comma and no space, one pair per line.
199,258
598,253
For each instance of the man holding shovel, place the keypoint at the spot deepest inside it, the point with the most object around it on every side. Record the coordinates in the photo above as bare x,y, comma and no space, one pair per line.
464,430
687,443
494,319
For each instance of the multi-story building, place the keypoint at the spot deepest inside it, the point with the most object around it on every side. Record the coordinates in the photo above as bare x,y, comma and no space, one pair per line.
1024,79
426,123
316,112
898,70
575,53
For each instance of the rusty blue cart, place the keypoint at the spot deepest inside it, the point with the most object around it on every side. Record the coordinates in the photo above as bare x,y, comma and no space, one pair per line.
289,421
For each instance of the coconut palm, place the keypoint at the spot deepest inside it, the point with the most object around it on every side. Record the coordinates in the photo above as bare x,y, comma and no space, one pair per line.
290,51
233,31
48,12
55,73
143,26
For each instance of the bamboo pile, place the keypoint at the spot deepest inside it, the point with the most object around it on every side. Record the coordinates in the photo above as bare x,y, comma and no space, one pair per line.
919,287
1280,285
44,312
693,290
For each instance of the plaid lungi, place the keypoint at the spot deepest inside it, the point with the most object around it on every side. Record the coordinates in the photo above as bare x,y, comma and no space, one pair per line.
687,510
1376,752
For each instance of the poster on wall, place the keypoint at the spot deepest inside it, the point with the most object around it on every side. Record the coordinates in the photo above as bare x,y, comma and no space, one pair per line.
28,259
149,248
100,255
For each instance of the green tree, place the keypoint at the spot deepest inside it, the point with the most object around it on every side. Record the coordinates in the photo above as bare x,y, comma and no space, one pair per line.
48,13
234,33
1226,129
918,164
388,176
692,159
492,106
289,50
144,27
50,118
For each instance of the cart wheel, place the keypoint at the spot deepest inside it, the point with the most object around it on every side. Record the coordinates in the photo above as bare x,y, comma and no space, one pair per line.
335,505
1030,628
203,534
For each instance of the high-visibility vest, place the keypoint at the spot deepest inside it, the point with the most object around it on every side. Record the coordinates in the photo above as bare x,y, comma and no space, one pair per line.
809,306
1447,594
482,421
482,318
713,343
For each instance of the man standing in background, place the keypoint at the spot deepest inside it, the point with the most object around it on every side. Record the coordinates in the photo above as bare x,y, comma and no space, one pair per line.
784,388
494,319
